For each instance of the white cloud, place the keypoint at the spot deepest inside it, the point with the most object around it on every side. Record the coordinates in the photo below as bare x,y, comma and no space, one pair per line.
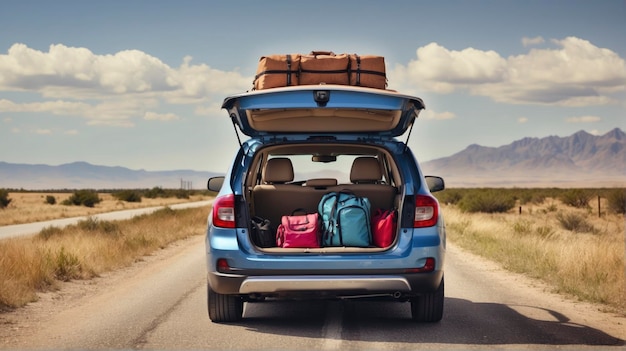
575,73
71,132
430,114
114,112
532,41
583,119
69,72
441,70
43,131
208,110
111,89
522,120
153,116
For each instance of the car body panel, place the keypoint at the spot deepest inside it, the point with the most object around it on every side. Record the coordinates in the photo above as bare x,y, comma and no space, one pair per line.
325,272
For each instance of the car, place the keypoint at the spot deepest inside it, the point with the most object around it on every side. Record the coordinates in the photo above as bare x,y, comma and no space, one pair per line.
303,142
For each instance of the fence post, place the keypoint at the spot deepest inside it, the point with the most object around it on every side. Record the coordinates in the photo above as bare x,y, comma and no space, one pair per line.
599,209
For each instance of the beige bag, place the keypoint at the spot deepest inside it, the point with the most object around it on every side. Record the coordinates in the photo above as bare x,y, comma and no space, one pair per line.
324,67
320,67
368,71
277,71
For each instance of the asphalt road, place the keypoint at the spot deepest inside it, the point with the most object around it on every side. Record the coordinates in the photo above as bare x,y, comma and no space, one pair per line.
160,303
10,231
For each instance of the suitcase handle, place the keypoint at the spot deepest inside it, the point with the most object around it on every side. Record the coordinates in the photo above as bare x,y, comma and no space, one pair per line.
327,53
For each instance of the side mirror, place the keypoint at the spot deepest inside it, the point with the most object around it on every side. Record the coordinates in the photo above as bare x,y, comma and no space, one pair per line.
435,183
215,183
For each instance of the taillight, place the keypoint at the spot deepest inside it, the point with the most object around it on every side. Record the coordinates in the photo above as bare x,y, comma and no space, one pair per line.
426,211
224,211
428,266
222,265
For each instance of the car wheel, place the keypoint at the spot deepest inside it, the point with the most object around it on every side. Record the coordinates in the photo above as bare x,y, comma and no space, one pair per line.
224,308
428,307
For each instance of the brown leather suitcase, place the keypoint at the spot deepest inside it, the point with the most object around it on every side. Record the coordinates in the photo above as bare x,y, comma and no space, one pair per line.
277,71
324,67
320,67
368,71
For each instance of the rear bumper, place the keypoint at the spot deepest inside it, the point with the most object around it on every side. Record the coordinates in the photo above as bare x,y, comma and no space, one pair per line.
362,272
325,285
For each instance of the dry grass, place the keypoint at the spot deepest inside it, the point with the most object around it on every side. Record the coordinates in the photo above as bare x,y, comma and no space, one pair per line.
32,207
587,263
87,249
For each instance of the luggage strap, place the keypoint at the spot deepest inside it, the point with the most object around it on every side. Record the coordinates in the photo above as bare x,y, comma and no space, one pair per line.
288,71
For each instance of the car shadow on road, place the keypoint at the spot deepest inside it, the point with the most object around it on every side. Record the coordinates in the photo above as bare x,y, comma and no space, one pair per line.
464,323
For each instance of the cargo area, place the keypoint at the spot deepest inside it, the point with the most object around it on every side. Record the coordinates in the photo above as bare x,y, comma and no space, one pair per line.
285,178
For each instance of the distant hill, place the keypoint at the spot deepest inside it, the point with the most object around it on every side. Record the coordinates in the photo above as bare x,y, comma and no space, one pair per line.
82,175
581,159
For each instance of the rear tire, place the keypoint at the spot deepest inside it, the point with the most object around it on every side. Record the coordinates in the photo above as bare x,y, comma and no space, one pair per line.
224,308
428,307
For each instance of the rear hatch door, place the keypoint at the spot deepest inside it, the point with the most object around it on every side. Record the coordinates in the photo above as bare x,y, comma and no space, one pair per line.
323,109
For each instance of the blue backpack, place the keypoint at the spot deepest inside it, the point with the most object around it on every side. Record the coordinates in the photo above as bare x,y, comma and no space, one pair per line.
345,219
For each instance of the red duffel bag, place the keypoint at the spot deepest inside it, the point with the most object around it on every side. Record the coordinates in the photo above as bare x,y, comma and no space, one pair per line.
383,227
301,231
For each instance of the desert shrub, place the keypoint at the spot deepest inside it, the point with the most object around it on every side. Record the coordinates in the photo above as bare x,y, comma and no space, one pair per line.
552,208
128,195
575,223
487,200
50,231
522,227
181,194
92,224
449,196
4,198
155,192
164,212
578,198
51,200
534,196
88,198
67,265
617,200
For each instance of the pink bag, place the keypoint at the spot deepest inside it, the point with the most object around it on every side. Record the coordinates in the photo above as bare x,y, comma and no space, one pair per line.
299,231
383,227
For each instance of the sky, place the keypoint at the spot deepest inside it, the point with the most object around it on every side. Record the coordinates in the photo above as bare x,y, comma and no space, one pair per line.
139,84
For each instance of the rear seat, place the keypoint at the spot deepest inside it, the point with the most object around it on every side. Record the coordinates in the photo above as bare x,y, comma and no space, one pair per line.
275,198
366,178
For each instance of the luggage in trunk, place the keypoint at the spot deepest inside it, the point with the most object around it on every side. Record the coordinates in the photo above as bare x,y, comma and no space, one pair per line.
345,219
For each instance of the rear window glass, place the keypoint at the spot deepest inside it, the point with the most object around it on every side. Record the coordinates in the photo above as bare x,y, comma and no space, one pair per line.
304,168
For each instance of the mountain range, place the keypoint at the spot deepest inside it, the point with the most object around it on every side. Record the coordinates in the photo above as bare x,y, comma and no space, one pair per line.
579,160
83,175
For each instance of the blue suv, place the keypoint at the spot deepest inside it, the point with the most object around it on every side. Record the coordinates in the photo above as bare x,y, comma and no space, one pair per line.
304,142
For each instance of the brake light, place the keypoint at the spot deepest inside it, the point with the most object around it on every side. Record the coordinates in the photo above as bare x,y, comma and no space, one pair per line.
222,265
426,211
429,266
224,211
